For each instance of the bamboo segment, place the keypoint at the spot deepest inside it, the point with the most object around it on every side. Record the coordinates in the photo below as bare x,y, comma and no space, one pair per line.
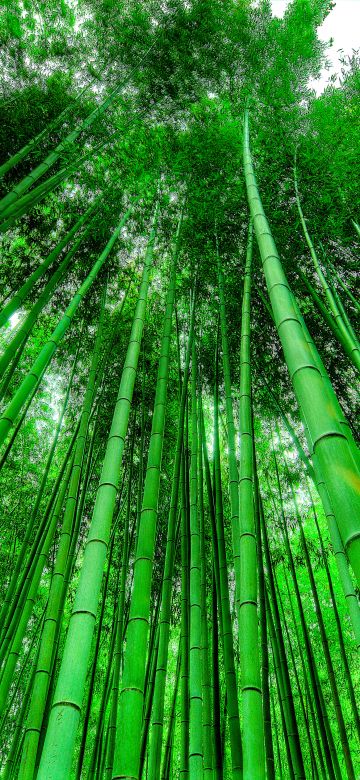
166,768
338,623
217,747
345,337
90,691
326,735
12,213
17,299
167,583
27,559
233,469
34,142
206,685
327,317
265,683
224,600
196,751
298,685
280,681
291,732
344,286
44,297
184,629
9,666
326,650
12,197
307,684
118,646
351,599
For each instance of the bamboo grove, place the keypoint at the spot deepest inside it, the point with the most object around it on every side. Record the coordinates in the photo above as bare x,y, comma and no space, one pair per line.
179,471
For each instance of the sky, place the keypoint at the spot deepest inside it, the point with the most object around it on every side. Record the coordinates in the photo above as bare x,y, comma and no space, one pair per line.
342,24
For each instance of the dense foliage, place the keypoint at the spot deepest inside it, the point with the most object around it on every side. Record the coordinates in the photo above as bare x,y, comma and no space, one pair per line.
180,525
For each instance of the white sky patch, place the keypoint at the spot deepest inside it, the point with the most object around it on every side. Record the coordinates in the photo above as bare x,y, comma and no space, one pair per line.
278,7
14,319
342,25
53,384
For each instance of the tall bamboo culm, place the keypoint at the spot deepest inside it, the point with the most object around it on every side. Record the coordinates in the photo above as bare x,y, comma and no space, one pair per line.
251,694
56,763
131,700
316,399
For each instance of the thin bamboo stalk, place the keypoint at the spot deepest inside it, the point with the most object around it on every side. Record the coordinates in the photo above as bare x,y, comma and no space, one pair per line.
41,363
127,750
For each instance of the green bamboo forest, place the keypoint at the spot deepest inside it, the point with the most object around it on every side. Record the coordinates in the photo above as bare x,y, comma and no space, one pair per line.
179,392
